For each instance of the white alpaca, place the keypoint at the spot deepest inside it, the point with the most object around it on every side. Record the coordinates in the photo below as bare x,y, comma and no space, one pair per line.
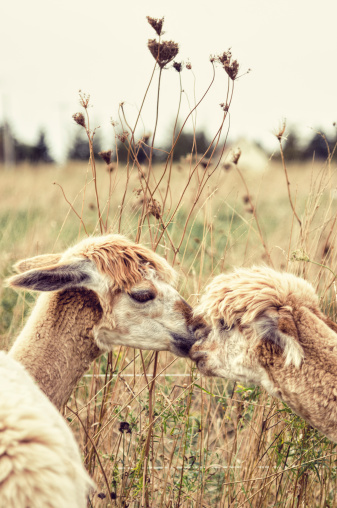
40,464
268,330
104,291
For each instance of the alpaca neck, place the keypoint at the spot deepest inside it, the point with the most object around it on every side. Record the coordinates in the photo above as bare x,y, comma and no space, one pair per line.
311,390
56,346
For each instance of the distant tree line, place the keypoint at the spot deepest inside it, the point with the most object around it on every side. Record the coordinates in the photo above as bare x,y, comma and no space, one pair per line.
39,152
187,142
15,151
294,147
319,146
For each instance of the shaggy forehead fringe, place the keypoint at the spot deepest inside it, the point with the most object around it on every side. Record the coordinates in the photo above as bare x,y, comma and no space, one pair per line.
248,292
124,261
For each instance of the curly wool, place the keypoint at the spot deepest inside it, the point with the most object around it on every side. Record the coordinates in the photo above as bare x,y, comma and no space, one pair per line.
40,463
247,292
123,261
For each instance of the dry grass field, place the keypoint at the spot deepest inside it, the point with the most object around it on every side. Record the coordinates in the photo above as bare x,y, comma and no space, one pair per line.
202,442
213,442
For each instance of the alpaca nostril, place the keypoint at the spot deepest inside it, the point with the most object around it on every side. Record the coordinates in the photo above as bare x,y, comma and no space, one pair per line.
197,356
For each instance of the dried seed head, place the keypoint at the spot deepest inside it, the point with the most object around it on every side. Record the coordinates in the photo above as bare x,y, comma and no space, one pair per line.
84,99
178,66
143,140
123,137
163,52
154,209
188,66
299,255
79,119
106,156
146,137
157,24
236,155
281,129
327,249
124,427
231,67
224,107
225,57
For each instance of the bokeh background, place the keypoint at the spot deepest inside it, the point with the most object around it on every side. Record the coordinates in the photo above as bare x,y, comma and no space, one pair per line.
52,49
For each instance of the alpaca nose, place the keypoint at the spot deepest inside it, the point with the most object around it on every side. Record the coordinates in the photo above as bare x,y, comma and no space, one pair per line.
197,355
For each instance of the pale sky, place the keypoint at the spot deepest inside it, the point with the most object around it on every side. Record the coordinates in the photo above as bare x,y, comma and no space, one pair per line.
53,48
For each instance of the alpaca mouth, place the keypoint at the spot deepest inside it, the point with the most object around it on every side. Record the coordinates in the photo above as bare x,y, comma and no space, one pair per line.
182,344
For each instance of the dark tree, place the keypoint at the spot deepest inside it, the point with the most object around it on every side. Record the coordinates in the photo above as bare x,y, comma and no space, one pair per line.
317,147
24,152
291,147
79,150
185,144
40,151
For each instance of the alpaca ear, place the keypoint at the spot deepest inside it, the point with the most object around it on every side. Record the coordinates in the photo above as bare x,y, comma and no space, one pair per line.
280,331
53,278
36,262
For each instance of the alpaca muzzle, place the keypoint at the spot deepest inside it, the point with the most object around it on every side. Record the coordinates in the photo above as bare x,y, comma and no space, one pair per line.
198,356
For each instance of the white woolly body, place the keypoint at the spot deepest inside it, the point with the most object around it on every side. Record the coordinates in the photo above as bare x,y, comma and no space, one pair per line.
40,463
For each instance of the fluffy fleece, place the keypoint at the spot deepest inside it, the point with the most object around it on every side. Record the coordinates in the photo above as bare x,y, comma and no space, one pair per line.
40,463
268,330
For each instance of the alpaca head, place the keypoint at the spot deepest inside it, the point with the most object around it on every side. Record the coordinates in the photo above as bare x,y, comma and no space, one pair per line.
140,307
252,313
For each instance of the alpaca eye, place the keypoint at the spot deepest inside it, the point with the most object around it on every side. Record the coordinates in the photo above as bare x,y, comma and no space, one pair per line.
224,326
143,296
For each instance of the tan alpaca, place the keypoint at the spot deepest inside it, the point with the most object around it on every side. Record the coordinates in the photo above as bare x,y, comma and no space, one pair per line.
268,330
104,291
